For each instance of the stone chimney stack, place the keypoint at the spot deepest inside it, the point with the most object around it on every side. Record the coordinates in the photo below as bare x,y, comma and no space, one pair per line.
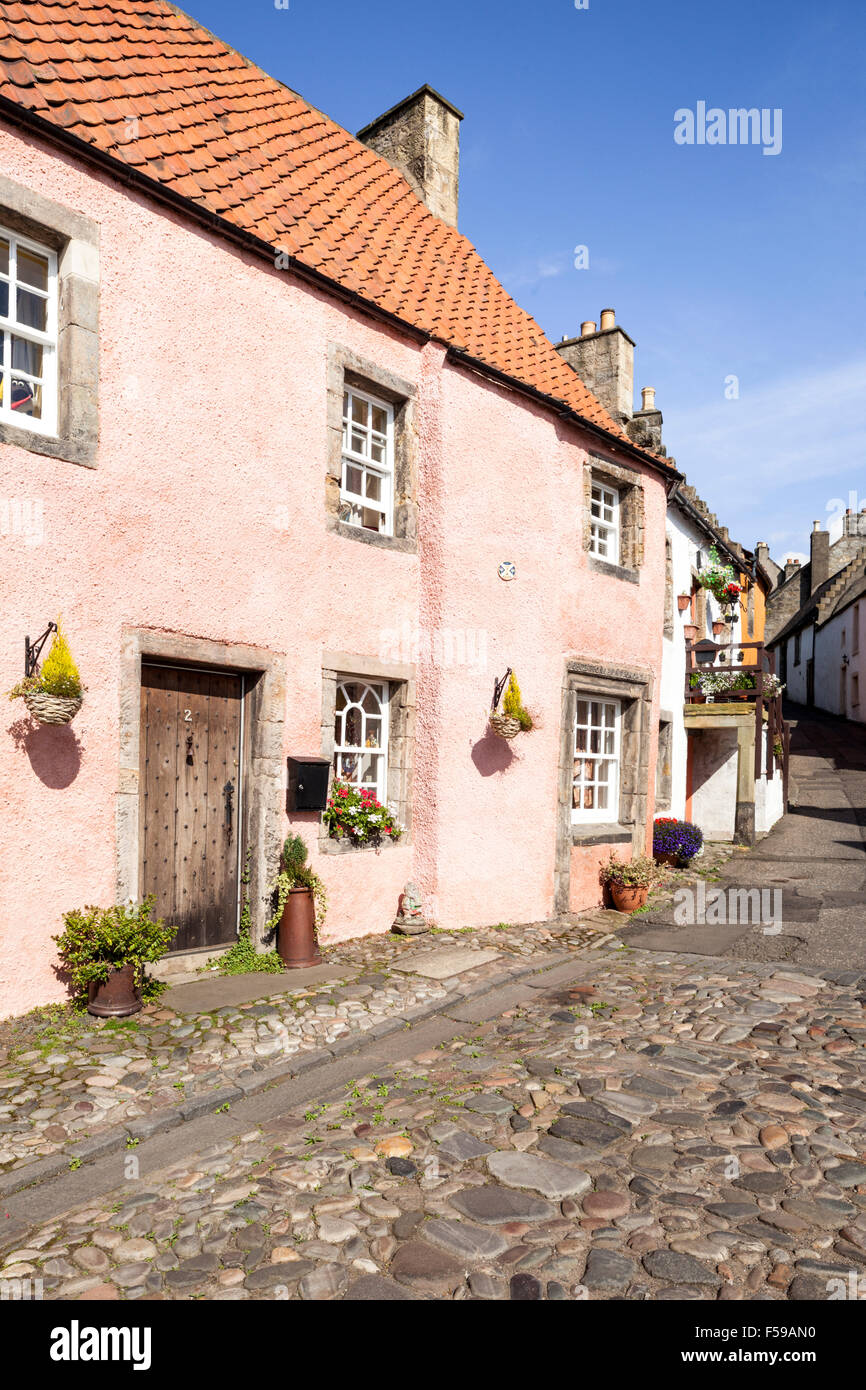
820,556
762,555
421,137
854,523
645,426
792,567
604,360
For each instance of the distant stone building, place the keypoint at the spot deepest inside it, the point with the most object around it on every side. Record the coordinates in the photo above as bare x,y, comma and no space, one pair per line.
814,617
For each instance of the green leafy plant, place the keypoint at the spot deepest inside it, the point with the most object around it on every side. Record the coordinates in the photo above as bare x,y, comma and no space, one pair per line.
58,674
97,940
513,706
243,958
719,579
640,872
357,814
296,873
720,682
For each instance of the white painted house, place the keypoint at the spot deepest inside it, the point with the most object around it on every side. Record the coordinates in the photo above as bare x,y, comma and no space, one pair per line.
709,771
819,650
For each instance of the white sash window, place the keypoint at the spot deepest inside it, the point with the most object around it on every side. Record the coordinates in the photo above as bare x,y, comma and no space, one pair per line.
361,735
595,794
28,325
367,483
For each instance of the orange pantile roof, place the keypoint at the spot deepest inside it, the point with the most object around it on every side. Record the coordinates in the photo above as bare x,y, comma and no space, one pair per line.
149,87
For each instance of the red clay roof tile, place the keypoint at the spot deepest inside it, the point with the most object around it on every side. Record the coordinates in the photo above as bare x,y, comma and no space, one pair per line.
221,132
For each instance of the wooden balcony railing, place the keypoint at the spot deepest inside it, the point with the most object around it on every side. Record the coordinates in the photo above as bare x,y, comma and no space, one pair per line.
728,659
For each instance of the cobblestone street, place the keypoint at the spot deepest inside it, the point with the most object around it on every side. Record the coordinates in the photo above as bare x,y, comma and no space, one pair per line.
623,1124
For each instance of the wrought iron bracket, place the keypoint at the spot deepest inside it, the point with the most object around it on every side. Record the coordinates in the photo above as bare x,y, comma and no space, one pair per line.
33,650
498,687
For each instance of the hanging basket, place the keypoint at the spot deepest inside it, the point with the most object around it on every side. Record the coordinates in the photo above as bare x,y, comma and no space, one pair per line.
52,709
504,726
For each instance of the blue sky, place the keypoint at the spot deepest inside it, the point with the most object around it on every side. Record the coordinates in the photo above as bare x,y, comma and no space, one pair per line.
720,260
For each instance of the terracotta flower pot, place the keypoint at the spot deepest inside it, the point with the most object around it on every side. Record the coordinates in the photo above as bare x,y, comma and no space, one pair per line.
296,934
683,601
690,631
626,898
718,628
116,997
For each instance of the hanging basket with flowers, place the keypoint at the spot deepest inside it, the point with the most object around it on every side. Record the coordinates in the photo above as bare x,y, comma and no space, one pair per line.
719,580
53,694
514,718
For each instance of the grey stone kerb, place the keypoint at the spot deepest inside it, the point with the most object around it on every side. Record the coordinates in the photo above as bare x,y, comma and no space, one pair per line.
633,687
76,240
264,783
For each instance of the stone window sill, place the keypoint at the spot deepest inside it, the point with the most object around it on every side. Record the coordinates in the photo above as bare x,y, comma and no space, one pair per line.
345,846
54,446
591,833
631,576
407,545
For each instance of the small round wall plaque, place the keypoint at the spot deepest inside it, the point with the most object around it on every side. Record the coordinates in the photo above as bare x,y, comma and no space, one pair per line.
508,570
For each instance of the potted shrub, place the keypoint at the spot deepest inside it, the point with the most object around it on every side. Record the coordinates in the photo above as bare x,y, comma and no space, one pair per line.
356,814
629,881
300,908
675,841
515,717
54,694
105,950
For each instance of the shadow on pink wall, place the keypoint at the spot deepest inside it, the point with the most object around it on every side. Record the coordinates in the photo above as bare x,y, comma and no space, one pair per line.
492,754
55,752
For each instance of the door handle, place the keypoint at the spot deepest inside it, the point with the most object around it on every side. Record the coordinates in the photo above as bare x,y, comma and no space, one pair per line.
229,790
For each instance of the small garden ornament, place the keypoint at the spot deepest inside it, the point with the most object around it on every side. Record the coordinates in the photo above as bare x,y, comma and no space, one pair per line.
410,920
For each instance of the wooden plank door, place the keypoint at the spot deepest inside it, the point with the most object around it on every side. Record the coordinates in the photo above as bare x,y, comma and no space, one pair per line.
191,768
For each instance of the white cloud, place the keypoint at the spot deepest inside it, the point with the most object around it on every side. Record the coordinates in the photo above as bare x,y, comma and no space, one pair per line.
544,268
777,458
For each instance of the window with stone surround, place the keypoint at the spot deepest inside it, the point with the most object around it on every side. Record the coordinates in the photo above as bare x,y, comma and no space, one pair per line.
371,492
630,691
49,296
595,788
613,519
368,732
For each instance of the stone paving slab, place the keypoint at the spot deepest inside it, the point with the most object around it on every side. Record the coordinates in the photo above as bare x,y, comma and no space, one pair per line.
442,965
218,991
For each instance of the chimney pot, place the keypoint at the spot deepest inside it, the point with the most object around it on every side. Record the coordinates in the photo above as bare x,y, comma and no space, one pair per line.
648,398
586,328
608,319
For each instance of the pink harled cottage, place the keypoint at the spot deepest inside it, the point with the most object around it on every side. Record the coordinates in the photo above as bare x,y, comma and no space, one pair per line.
303,482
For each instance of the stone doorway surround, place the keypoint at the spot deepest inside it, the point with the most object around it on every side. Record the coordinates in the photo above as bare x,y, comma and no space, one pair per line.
264,783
